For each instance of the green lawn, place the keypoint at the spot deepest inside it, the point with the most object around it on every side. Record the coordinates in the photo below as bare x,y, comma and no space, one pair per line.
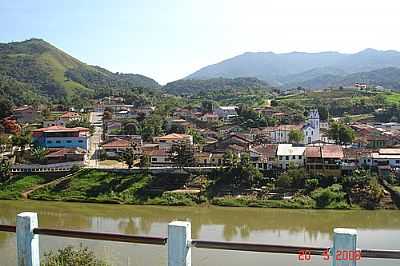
13,189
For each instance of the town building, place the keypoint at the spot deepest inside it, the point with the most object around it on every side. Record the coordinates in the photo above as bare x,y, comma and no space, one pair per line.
166,142
311,128
280,134
289,155
60,155
62,137
62,120
263,156
117,146
324,160
226,112
26,114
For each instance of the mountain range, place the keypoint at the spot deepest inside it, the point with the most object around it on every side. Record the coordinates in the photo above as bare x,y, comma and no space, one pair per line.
310,70
34,69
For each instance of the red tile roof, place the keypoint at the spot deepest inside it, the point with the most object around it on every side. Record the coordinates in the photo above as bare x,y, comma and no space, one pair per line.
332,151
56,153
268,150
117,144
69,115
60,129
313,152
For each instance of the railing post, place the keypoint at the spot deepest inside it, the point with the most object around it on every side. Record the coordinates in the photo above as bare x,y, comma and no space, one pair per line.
179,242
344,243
27,241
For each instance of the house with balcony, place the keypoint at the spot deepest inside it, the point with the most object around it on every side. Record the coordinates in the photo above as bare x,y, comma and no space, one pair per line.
62,137
324,160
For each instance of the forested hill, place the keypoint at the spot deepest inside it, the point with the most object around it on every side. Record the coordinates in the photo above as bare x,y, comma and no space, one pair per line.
193,86
44,72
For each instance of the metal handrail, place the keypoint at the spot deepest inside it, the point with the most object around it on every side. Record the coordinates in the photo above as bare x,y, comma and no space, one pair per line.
239,246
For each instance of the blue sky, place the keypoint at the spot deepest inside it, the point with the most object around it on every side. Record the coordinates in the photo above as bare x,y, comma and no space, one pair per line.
170,39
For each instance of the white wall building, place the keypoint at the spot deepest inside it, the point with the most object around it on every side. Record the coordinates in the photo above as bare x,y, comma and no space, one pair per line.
226,112
311,128
288,155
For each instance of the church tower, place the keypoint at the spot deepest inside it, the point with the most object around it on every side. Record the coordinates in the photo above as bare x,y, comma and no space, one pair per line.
313,119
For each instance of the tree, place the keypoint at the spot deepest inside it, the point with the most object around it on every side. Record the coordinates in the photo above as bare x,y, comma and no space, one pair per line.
182,154
5,170
323,113
231,159
341,133
145,161
81,123
22,140
5,107
129,156
4,142
38,154
207,106
197,138
296,136
274,103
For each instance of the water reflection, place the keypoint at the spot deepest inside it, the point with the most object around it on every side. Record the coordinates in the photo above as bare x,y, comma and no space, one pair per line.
278,226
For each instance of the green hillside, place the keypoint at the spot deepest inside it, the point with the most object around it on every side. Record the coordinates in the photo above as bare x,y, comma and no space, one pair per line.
46,72
194,86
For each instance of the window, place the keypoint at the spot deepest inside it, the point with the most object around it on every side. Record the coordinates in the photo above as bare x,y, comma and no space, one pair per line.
300,157
154,159
49,141
294,157
280,157
397,161
312,133
69,141
287,158
80,141
306,133
58,141
260,165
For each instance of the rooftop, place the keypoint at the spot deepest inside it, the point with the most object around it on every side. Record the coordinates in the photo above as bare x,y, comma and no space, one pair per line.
289,149
61,129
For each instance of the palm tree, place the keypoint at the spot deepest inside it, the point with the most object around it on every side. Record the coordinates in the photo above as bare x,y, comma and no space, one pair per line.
38,154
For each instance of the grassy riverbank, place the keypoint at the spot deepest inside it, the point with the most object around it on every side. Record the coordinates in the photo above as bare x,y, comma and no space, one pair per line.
116,188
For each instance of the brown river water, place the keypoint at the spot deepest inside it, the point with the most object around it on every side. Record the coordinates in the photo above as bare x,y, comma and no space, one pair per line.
376,230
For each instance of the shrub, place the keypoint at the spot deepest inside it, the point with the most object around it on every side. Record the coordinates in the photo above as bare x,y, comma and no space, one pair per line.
72,257
328,197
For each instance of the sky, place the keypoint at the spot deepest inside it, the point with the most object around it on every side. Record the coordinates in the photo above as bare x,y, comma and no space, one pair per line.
170,39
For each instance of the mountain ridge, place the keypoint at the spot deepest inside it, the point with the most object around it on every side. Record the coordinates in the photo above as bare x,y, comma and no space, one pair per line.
286,69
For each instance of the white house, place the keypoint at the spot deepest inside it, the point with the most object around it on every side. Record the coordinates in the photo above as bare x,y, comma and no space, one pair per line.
289,155
280,134
226,112
311,128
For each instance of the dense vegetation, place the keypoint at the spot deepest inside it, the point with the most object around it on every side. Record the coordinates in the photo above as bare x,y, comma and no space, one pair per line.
33,71
192,86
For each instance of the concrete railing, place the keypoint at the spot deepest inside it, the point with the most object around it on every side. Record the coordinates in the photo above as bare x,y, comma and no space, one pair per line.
343,252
